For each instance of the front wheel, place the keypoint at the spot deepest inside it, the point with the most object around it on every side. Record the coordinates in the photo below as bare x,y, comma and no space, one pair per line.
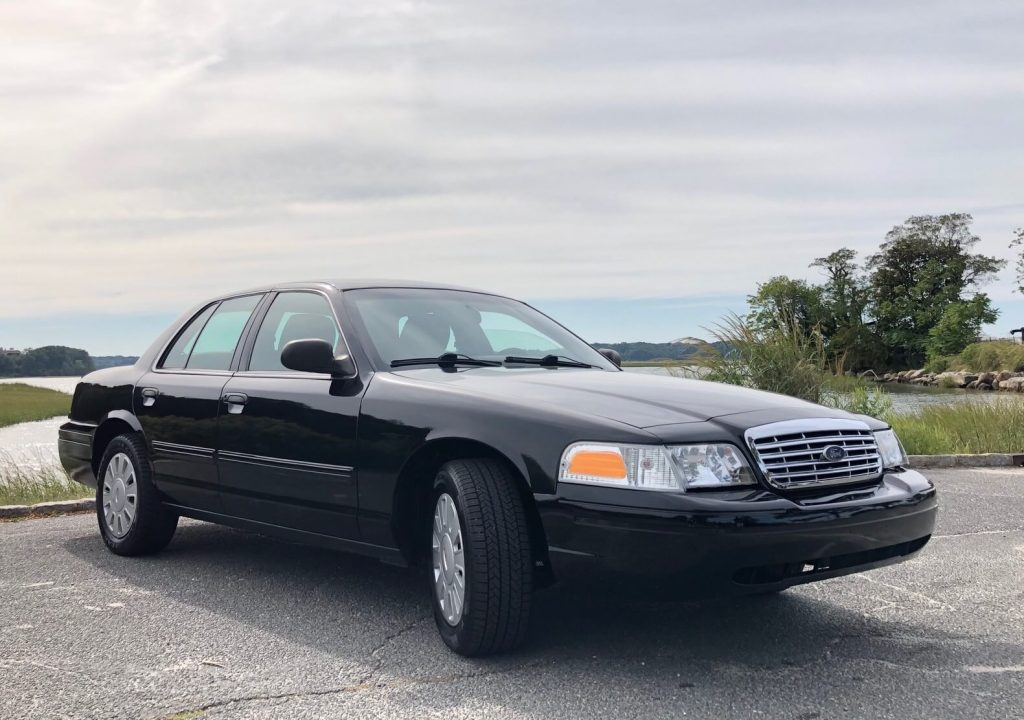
482,570
132,519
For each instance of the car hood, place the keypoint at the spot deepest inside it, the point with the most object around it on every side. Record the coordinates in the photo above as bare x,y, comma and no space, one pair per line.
637,399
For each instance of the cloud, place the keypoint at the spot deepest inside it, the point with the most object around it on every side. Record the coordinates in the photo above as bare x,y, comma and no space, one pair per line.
154,153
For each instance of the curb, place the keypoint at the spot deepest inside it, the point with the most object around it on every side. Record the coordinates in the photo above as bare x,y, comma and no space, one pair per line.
61,507
967,461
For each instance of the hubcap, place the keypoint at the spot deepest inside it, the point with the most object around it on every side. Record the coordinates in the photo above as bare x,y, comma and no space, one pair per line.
120,495
449,560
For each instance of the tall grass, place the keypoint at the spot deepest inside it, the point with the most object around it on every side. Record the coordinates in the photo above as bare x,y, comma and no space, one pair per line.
968,427
26,485
36,477
21,403
785,359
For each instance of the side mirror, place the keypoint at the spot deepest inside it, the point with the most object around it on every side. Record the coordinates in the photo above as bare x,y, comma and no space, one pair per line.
611,355
316,356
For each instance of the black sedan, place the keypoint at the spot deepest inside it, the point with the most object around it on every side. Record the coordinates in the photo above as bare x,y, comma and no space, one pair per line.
469,434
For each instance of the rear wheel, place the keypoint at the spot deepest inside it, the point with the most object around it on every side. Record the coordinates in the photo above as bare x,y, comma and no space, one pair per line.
132,519
482,570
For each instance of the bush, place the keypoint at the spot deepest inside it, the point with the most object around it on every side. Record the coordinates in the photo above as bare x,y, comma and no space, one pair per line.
989,356
981,357
874,402
940,363
783,359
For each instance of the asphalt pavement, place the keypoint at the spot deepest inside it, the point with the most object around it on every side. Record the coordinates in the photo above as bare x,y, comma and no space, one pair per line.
231,624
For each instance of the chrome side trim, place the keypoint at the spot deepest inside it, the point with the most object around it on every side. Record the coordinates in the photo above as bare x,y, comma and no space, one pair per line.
193,450
284,463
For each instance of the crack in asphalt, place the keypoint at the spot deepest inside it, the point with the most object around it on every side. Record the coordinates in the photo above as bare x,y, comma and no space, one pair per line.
388,639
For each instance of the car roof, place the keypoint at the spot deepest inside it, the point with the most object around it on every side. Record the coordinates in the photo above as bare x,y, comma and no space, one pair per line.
357,284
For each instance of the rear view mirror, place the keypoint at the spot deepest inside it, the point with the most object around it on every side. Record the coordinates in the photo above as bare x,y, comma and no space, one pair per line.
613,356
316,356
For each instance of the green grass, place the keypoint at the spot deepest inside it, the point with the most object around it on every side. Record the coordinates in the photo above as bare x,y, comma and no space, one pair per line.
968,427
22,403
29,485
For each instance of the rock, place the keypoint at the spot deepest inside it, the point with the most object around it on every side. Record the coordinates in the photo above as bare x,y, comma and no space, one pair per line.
915,374
986,377
1004,375
973,385
985,386
969,378
1013,384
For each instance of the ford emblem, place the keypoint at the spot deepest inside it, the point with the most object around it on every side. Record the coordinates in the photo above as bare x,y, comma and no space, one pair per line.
833,453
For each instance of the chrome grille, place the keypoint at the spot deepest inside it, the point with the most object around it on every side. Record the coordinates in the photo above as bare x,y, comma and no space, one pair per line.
802,453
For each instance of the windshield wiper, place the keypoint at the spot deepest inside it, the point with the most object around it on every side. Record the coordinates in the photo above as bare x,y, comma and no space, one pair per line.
549,361
448,359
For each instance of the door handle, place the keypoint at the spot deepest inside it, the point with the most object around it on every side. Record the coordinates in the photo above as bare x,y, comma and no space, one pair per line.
149,396
236,402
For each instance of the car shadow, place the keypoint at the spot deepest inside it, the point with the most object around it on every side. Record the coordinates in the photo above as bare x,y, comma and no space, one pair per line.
365,612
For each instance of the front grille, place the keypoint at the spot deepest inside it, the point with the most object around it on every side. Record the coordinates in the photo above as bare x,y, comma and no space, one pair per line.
808,453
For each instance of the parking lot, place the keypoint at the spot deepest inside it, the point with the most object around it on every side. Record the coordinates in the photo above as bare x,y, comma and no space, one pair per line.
231,624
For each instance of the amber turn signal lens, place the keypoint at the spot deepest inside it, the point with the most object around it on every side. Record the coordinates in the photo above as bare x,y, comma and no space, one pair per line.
598,464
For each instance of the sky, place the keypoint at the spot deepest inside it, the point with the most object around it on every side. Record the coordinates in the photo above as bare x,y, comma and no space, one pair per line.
634,169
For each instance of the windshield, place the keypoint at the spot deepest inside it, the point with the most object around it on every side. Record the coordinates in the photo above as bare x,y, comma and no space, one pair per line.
402,323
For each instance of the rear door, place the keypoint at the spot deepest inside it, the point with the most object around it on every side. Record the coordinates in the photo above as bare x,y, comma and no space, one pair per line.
178,400
287,440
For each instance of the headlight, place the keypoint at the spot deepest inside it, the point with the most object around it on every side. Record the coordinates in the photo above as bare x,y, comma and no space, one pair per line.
655,467
891,450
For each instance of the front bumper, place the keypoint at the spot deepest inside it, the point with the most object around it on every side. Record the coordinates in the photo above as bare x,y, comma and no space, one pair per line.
741,541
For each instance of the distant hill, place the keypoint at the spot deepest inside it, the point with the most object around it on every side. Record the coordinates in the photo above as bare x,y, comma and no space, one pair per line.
682,349
52,360
105,361
56,360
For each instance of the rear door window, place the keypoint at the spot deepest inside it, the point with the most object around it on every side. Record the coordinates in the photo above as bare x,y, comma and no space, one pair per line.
216,344
177,357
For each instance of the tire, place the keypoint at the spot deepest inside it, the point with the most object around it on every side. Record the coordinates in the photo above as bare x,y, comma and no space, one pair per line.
497,562
152,526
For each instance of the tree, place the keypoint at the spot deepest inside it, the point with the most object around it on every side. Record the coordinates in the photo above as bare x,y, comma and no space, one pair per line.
924,266
1018,241
850,341
55,360
960,325
782,300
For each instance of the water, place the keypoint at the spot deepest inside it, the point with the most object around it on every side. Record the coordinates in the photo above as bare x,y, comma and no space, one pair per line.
34,444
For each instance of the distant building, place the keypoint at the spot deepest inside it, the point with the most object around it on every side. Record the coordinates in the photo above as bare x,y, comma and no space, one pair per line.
11,352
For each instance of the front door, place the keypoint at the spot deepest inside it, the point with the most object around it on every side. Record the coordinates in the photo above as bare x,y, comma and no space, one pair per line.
287,440
177,403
